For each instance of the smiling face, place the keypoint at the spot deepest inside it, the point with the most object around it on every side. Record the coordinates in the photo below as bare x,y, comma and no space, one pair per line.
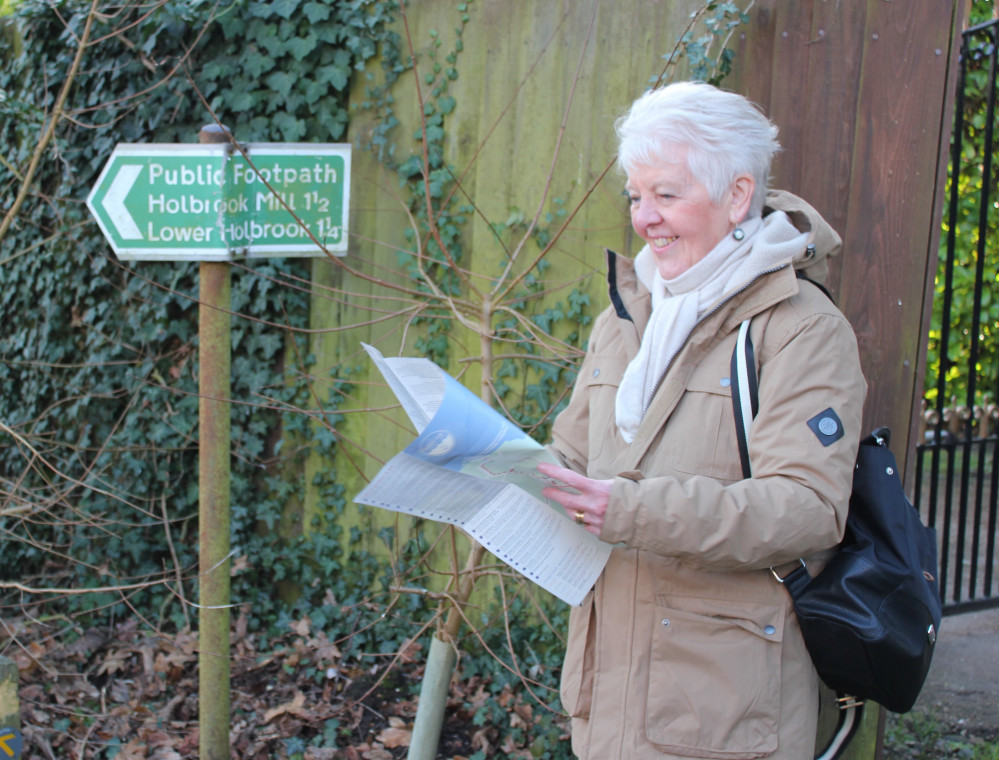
675,215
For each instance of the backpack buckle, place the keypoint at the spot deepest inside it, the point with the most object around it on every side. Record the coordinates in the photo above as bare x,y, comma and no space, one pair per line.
847,702
777,577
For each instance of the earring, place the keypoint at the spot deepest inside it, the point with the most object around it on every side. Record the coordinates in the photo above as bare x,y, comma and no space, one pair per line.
738,234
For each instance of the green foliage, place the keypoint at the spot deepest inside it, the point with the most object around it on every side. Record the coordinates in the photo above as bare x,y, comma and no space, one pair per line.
918,736
435,244
280,70
713,24
99,360
949,373
531,677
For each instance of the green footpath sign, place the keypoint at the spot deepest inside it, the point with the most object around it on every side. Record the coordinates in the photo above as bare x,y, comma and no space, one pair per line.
166,202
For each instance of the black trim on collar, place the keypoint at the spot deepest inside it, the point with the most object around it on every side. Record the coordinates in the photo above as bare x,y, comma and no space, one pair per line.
802,276
615,297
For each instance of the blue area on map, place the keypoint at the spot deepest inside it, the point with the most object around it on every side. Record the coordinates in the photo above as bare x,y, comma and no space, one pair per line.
463,428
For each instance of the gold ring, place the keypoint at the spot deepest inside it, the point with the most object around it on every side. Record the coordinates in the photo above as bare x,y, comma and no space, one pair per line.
580,517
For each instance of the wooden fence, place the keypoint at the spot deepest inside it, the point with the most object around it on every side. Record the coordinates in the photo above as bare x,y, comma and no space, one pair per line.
863,92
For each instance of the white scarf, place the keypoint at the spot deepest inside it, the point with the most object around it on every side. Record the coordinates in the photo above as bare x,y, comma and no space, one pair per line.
678,304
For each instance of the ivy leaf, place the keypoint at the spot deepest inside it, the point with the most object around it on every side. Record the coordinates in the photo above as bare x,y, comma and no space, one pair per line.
260,9
256,65
411,167
336,75
316,12
242,101
284,8
281,82
435,134
291,128
302,46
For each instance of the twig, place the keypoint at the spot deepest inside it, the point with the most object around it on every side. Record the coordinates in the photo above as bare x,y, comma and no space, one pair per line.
49,131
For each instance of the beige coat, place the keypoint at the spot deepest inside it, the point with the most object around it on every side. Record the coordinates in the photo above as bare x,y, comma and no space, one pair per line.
687,646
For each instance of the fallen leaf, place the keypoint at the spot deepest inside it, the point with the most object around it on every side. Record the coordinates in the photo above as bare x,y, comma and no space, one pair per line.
396,735
410,650
480,741
525,712
133,750
116,661
288,708
239,564
165,753
190,742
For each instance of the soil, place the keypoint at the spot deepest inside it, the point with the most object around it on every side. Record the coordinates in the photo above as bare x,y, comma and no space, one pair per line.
962,688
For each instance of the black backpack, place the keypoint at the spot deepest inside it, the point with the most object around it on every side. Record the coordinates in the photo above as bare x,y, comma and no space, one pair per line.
870,618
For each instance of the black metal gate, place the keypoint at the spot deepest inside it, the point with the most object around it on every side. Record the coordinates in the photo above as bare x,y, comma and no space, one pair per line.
957,465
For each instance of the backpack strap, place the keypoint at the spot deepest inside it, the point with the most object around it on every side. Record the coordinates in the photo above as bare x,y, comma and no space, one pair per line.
850,712
746,403
745,394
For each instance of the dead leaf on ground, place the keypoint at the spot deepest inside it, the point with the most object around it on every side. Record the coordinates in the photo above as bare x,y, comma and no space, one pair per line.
133,750
396,735
295,707
377,753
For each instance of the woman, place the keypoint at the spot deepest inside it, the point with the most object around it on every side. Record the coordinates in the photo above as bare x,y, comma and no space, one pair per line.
688,646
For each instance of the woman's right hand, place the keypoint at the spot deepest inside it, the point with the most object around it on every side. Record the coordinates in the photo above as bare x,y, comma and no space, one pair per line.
584,499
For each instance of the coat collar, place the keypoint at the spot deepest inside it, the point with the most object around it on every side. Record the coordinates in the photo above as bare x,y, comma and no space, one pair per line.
632,301
633,304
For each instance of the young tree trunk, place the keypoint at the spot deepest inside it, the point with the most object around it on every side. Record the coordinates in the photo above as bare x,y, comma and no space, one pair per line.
443,654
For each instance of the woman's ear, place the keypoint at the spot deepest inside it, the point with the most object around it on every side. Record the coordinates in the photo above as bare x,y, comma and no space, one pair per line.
743,187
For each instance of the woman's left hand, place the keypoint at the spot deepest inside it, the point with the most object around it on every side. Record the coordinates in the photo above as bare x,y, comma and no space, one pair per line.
585,500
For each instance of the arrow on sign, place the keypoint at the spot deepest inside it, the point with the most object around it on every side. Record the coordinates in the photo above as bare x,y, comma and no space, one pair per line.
11,743
114,201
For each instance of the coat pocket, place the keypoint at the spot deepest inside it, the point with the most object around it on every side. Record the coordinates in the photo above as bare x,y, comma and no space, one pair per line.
600,385
708,444
576,688
715,677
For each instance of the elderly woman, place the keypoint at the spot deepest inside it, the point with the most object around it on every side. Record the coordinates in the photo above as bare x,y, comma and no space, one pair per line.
688,646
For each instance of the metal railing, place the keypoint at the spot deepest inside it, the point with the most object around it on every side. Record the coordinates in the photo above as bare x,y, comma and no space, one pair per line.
957,465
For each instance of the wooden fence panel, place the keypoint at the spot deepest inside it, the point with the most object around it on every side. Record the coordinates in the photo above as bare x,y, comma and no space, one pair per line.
862,92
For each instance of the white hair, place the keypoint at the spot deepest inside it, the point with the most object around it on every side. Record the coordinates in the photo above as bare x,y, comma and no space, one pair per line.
724,134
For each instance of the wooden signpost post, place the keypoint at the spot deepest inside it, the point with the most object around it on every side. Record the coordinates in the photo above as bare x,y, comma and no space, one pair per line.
213,203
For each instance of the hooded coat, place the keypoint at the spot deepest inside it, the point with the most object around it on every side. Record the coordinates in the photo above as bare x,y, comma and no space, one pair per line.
688,645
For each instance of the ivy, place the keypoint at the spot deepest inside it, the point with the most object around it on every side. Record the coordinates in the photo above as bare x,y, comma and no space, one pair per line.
99,358
716,23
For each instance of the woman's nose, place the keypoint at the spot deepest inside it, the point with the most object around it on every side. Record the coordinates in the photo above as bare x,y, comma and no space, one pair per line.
644,213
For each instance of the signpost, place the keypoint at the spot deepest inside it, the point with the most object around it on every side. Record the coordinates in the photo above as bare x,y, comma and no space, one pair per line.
208,203
11,740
